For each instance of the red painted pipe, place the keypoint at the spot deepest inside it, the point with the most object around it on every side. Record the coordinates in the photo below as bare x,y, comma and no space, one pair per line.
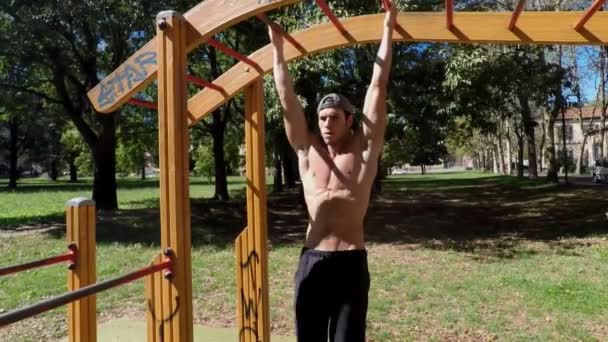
276,27
516,14
69,256
145,104
66,298
597,4
232,53
449,13
332,17
202,83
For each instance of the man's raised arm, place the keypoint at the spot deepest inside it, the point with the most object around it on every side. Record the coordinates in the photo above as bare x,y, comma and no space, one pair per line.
293,114
374,109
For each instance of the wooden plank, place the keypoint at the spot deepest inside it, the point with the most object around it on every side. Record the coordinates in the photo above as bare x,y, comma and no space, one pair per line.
207,18
69,220
92,271
259,184
175,205
239,281
477,27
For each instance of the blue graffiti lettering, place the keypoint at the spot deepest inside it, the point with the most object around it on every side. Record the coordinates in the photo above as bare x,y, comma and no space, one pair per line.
132,73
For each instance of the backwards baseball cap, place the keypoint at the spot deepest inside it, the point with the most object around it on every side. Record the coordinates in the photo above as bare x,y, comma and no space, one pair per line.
336,101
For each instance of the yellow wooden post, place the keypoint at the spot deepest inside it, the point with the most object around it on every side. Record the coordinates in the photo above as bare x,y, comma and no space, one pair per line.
172,303
253,314
80,233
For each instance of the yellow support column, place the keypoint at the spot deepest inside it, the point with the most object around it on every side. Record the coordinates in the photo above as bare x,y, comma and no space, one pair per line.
172,304
253,314
80,234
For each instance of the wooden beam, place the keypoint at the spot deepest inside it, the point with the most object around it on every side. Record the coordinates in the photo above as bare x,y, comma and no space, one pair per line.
595,6
532,28
176,292
80,231
251,251
207,18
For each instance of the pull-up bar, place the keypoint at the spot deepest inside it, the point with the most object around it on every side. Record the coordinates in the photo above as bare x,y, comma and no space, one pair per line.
334,20
142,103
449,13
66,298
276,27
69,256
597,4
516,14
232,53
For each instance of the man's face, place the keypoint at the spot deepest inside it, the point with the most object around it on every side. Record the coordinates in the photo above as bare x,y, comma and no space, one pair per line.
334,125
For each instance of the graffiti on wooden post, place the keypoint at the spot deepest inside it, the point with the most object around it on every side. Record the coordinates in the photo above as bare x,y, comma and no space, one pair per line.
250,304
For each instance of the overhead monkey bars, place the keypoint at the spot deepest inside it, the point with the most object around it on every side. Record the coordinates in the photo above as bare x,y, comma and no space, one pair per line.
334,20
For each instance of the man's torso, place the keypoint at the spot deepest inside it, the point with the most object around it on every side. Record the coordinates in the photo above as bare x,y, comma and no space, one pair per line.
337,192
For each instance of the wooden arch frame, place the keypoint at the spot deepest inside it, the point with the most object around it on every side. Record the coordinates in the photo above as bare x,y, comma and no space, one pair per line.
169,313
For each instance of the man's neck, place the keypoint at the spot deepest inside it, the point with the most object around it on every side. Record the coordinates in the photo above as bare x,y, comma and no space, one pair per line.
339,147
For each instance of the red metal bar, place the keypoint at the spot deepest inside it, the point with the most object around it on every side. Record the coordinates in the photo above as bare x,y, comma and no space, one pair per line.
52,303
69,256
520,7
276,27
334,20
142,103
597,4
449,13
202,83
232,53
385,5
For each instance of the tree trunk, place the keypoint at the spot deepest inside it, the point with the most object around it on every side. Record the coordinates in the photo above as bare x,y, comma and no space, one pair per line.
289,161
277,184
528,123
53,173
422,169
13,149
509,157
104,158
73,172
579,162
143,167
543,138
221,180
550,155
520,156
501,157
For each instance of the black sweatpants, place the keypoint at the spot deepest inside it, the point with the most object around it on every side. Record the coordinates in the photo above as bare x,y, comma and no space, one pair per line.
331,296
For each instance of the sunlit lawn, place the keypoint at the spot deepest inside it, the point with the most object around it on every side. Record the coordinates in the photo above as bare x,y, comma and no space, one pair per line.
464,256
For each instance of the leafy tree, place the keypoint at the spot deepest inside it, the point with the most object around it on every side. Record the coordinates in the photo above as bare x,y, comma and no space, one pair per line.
68,45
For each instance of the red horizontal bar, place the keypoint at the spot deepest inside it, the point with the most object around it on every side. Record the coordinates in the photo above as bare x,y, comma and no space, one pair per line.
449,13
597,4
232,53
276,27
205,84
142,103
66,298
69,256
334,20
516,14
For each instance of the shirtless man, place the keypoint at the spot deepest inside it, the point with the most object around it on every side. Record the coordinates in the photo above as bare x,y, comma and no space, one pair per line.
337,171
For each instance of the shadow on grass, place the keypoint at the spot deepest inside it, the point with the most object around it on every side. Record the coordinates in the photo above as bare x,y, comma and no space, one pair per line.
487,217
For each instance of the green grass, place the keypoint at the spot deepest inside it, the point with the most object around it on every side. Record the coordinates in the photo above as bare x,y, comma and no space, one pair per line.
37,200
464,256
